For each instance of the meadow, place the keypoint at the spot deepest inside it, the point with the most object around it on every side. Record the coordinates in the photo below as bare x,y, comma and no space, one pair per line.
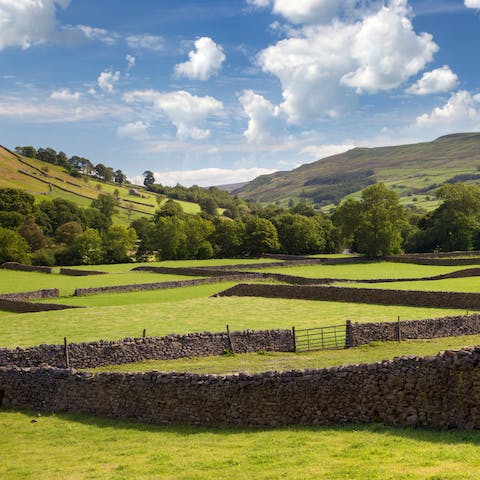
67,446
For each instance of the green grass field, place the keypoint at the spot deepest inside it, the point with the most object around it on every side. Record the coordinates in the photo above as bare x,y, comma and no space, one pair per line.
73,447
279,361
363,271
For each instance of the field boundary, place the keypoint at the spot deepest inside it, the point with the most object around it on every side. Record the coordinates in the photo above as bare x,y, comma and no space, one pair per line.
416,298
440,392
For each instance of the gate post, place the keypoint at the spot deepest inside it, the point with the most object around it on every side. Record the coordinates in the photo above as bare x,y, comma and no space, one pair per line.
348,334
294,339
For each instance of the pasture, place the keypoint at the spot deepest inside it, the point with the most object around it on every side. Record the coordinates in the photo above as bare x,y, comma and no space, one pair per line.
83,447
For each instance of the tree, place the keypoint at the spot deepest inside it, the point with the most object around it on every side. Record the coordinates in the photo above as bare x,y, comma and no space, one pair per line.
149,178
67,232
119,177
454,225
374,225
33,234
87,248
106,204
170,208
13,200
103,172
28,151
13,247
118,241
260,236
228,237
209,205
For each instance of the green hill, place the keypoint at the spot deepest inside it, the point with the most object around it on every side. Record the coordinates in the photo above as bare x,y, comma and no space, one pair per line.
47,181
413,171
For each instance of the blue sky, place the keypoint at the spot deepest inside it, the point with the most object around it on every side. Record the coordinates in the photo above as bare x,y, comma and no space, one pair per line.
220,91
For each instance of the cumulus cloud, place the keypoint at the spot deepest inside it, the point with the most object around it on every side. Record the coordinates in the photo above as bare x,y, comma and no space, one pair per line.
28,22
265,122
107,80
131,60
66,95
322,151
437,81
321,66
204,61
146,41
187,112
472,3
259,3
206,176
134,130
460,113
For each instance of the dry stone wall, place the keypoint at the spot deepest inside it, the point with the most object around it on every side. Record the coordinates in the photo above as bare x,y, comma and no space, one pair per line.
415,298
20,302
79,273
25,268
129,350
454,326
441,391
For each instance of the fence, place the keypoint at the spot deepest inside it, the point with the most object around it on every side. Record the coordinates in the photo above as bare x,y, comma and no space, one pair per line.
320,338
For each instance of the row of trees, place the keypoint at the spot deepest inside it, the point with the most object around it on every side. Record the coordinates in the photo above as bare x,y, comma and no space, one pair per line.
60,232
75,165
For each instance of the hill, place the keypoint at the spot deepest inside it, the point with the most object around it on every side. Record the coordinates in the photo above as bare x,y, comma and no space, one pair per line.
413,171
47,181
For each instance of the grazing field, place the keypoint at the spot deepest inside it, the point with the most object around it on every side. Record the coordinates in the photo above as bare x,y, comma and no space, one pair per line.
184,310
16,281
468,284
265,361
364,271
69,446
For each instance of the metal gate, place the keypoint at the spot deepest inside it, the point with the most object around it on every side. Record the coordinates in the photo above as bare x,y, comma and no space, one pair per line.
320,338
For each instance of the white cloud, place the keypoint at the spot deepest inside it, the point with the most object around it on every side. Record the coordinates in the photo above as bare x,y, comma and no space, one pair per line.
134,130
146,41
187,112
28,22
131,60
460,113
91,33
259,3
265,122
204,61
472,3
307,11
320,64
437,81
387,50
106,80
322,151
206,176
66,95
41,110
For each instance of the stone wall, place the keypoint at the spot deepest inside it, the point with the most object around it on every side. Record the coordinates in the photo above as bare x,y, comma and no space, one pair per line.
79,273
25,268
33,295
129,350
455,326
434,260
19,302
415,298
441,391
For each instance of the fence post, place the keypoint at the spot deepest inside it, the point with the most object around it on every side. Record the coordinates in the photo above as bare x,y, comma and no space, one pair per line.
399,329
144,334
67,355
294,340
230,340
348,334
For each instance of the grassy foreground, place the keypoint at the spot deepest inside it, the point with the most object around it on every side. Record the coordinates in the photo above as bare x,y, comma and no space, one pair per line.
265,361
82,447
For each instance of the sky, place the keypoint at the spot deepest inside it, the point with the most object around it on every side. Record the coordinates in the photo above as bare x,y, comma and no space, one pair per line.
213,92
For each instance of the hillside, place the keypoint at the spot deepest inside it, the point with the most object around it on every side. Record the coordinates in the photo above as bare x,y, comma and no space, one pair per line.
413,171
47,181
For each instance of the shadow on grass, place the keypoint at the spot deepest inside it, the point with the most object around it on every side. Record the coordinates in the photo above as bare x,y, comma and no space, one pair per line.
429,435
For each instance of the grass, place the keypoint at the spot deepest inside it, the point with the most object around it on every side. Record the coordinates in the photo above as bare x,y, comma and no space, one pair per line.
184,310
265,361
468,284
16,281
67,446
366,270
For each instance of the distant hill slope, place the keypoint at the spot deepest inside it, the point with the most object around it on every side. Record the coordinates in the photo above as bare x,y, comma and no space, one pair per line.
414,171
46,181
